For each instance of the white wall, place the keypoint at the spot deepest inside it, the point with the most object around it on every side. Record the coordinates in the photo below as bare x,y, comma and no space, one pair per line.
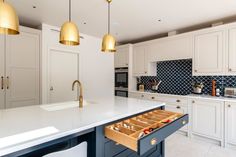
96,69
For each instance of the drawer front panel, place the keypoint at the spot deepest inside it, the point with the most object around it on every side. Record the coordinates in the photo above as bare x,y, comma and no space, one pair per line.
147,143
112,149
180,101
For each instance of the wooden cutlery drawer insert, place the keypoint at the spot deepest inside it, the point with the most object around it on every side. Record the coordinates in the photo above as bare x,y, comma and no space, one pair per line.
141,133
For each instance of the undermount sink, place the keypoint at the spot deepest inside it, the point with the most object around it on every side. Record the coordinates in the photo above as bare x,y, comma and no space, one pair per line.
65,105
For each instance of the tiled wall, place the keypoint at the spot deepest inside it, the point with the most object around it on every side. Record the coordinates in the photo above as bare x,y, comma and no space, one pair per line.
176,77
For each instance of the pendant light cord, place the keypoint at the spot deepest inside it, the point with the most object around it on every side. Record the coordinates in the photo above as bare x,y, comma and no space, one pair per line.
109,17
69,10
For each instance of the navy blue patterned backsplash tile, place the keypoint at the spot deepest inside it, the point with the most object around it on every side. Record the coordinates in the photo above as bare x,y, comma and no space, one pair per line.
176,77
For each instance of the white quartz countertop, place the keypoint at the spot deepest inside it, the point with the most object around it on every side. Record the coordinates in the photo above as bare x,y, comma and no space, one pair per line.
24,127
191,96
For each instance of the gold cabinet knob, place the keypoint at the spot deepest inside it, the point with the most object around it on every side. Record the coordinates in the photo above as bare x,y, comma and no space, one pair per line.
195,71
230,69
178,107
153,98
153,141
193,101
229,106
178,101
51,88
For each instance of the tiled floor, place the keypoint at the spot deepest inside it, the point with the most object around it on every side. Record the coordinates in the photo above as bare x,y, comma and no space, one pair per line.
180,146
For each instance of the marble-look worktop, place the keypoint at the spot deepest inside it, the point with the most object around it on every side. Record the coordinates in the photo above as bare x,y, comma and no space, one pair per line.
24,127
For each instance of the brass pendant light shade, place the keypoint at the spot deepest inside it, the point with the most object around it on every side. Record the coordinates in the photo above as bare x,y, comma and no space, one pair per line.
69,34
108,42
9,22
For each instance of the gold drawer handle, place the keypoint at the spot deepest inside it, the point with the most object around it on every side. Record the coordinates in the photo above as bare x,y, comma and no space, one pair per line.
153,141
8,82
184,122
2,82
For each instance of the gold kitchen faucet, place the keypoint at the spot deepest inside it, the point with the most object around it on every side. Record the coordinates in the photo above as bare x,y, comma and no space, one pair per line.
80,95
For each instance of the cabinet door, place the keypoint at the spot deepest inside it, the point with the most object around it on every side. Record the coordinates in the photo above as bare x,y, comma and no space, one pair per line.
22,69
60,81
208,53
122,57
177,109
232,51
140,60
2,65
231,123
207,118
171,48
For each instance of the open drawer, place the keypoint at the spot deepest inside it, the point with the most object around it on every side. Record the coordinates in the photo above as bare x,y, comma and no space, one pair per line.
141,133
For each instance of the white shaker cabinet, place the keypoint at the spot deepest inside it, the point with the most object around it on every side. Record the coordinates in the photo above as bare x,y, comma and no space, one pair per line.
231,67
121,57
230,119
2,71
141,65
207,118
209,53
22,74
171,48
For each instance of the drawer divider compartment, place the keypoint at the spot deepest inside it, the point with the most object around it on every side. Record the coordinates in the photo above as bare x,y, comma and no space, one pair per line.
141,133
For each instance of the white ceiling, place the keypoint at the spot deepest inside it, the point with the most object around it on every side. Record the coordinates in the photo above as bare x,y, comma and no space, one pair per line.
131,19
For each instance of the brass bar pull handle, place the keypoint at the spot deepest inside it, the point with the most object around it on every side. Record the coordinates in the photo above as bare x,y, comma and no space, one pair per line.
8,82
2,82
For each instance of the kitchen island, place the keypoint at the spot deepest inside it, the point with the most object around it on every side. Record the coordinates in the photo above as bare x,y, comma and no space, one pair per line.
26,130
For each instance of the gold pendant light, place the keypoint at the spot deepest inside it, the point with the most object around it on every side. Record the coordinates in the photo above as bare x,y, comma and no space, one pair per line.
9,22
69,34
108,42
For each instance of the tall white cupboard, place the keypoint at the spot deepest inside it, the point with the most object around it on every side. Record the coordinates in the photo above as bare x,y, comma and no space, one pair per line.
20,68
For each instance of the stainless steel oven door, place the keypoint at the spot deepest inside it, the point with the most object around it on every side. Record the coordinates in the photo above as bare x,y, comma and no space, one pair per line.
121,79
121,92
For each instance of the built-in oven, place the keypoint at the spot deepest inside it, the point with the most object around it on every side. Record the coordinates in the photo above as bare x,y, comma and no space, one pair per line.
121,77
122,92
121,82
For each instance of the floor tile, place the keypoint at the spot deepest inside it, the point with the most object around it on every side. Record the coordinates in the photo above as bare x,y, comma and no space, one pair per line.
216,151
181,146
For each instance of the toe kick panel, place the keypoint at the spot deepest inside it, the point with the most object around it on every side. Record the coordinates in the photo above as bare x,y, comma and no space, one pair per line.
143,132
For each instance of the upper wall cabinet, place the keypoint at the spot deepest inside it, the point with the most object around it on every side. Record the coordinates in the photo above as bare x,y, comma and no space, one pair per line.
231,58
171,48
209,53
141,66
122,57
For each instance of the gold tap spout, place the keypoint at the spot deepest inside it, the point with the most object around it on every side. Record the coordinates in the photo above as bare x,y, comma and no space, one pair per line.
80,95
